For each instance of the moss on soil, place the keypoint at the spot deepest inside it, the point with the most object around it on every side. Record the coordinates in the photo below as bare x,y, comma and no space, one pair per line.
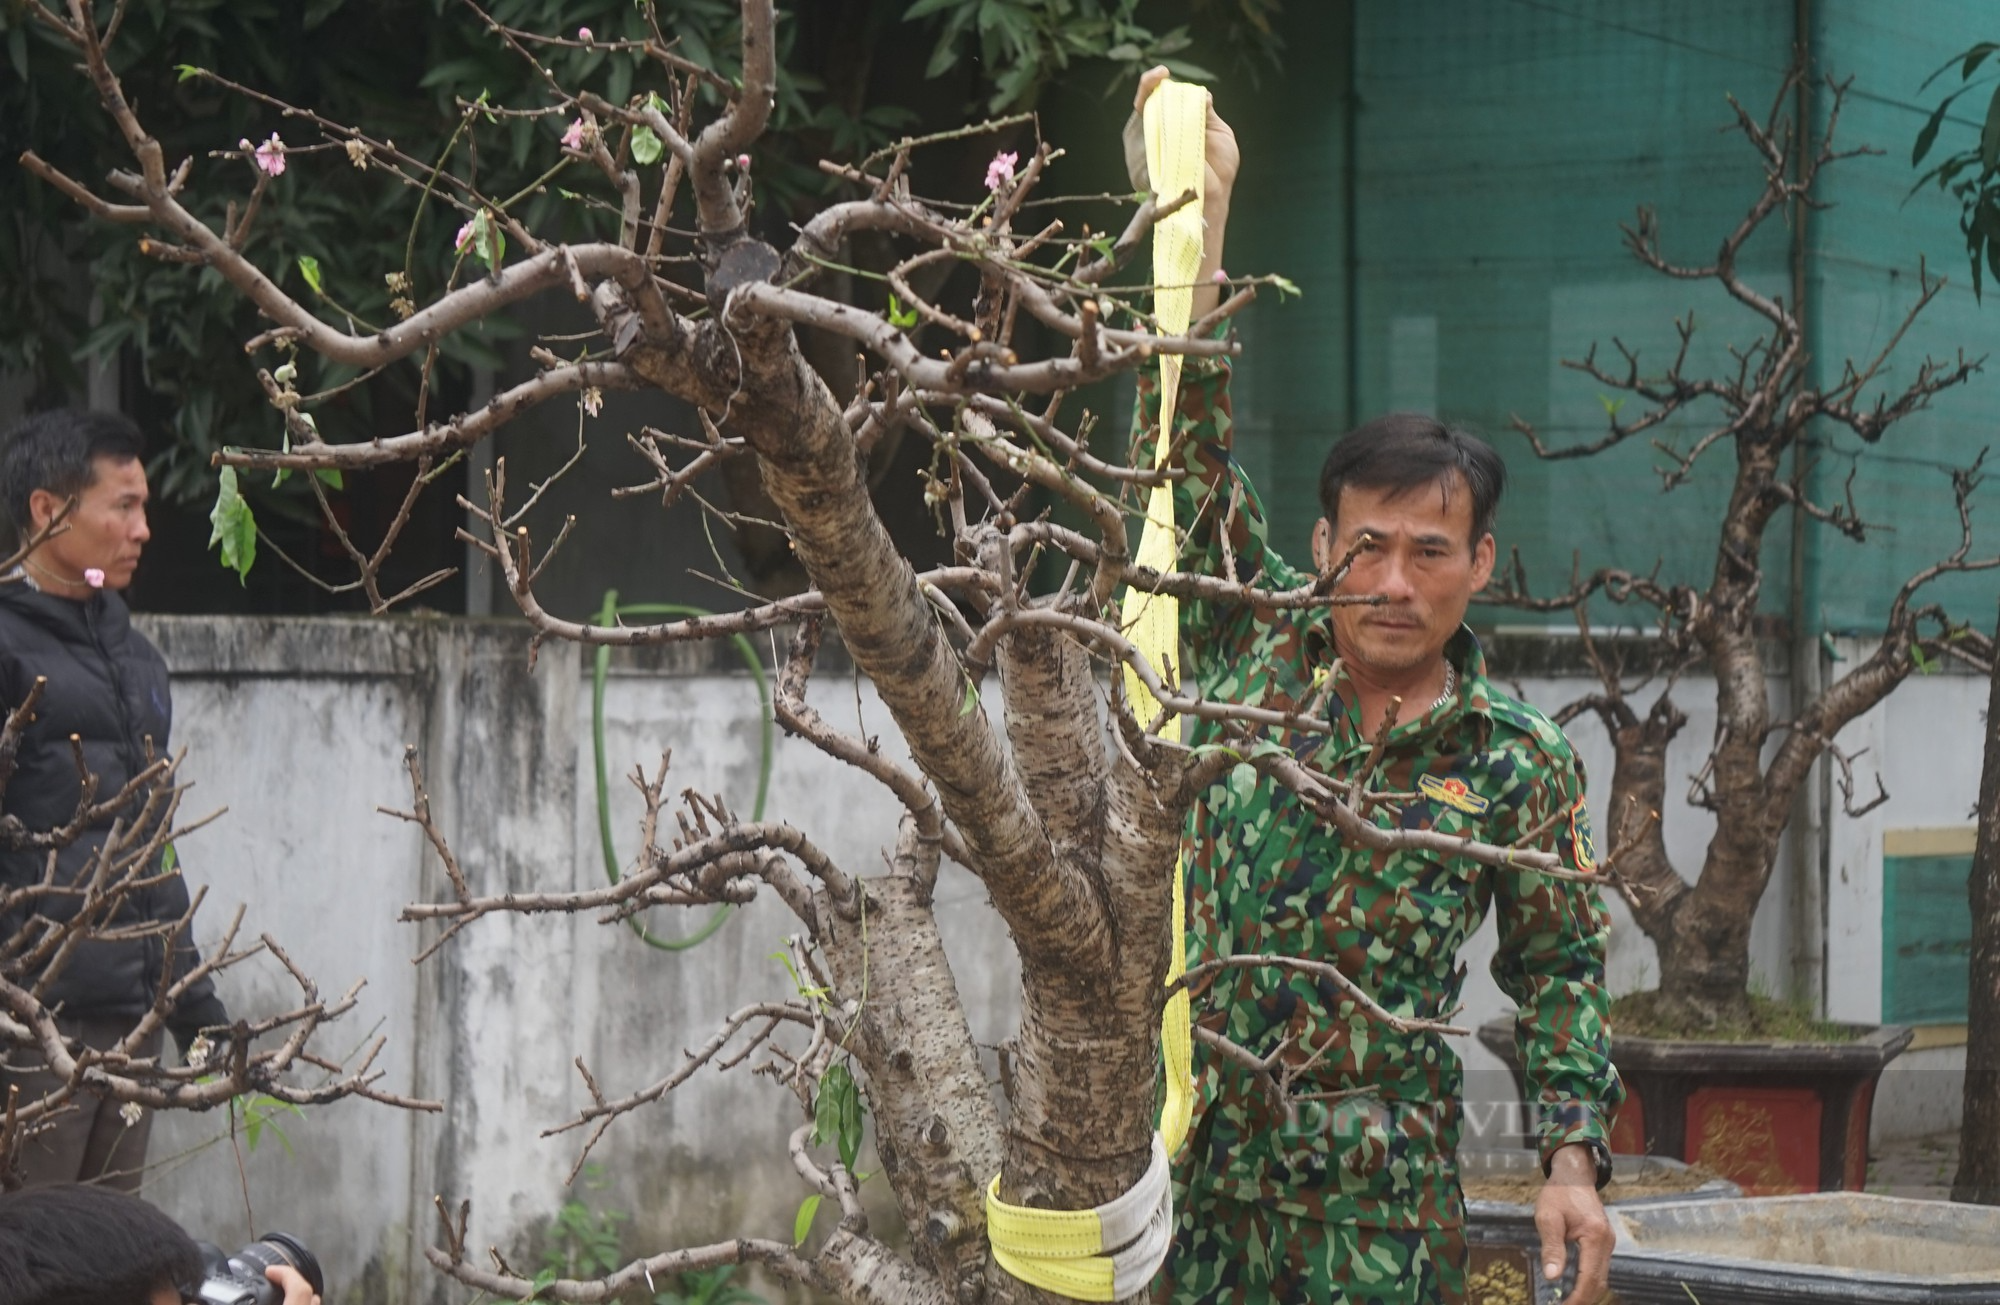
1645,1015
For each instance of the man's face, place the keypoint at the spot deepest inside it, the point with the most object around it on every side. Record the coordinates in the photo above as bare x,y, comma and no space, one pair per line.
1418,557
107,531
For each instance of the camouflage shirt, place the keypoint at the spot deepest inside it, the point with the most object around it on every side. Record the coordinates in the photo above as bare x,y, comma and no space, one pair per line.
1264,875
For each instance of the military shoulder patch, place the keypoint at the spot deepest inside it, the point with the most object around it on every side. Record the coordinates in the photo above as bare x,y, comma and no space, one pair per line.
1579,837
1454,793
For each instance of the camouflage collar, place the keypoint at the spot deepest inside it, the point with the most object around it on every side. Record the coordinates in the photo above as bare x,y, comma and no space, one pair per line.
1474,693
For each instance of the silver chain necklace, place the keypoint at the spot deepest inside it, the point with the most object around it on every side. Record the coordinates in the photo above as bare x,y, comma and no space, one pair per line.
1450,687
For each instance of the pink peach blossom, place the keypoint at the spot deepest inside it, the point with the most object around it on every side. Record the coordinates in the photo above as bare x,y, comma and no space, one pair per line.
573,138
271,156
93,577
1001,170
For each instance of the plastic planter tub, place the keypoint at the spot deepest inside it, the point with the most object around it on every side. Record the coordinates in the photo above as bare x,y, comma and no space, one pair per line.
1828,1246
1504,1250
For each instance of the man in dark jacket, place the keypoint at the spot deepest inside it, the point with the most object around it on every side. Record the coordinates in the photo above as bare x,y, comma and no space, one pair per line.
62,620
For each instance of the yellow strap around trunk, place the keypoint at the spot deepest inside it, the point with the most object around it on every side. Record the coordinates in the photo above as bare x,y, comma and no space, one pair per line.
1066,1251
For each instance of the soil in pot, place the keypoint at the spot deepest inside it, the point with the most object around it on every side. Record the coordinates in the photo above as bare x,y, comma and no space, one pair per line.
1657,1181
1645,1015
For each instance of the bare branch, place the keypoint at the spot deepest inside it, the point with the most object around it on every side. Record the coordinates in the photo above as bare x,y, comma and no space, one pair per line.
1327,972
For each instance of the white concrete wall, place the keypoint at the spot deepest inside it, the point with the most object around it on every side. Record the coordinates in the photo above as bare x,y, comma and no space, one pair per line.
1926,741
298,728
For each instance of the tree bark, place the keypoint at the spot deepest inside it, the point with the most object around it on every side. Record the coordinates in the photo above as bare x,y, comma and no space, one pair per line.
1978,1179
1652,887
936,1128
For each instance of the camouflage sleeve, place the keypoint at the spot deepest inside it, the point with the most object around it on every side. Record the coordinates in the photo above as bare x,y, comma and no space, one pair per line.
1551,962
1227,532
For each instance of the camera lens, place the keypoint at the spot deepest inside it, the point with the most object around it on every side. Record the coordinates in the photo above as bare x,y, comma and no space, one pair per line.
278,1248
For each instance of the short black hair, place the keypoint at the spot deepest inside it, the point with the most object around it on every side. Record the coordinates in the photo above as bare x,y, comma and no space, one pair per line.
55,451
76,1245
1404,451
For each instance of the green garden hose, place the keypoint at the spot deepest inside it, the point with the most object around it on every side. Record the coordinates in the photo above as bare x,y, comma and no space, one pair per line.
608,616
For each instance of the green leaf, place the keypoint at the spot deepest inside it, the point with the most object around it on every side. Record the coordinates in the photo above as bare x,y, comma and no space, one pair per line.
184,72
1989,138
1974,57
646,147
802,1223
169,858
309,268
1987,220
451,70
1188,72
971,698
1928,136
330,477
943,59
837,1113
1287,288
259,1110
900,317
804,989
235,527
1982,236
487,242
1968,58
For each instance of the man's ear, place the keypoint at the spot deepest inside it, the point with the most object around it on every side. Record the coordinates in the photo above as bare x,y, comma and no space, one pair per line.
1483,554
1323,545
43,504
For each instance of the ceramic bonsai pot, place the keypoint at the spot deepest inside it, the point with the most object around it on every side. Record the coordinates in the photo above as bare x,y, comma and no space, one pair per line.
1772,1117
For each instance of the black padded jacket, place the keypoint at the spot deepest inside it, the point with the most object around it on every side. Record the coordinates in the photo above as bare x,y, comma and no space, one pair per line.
107,685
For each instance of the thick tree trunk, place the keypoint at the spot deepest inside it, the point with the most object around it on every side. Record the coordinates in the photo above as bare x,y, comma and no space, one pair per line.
1652,887
1086,1059
1705,964
1978,1177
936,1128
1074,846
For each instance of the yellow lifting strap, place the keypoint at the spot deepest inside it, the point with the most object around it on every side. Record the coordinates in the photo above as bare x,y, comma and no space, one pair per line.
1113,1251
1176,132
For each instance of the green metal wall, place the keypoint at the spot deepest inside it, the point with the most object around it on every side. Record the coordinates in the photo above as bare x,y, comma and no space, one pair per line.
1495,146
1290,215
1863,271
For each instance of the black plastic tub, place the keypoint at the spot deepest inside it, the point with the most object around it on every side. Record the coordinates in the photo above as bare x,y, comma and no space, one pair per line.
1505,1250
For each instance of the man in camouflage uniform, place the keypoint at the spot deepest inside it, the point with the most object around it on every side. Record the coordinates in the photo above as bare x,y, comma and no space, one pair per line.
1354,1197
